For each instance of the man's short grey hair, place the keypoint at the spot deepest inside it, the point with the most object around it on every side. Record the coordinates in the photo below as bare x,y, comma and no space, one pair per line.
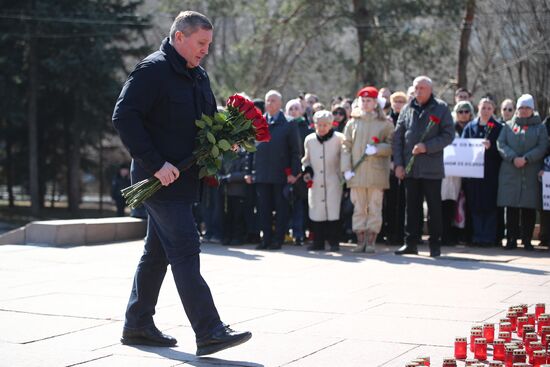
422,78
273,92
188,22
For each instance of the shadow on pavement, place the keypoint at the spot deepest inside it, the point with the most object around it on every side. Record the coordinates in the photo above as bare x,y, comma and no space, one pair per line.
193,360
385,254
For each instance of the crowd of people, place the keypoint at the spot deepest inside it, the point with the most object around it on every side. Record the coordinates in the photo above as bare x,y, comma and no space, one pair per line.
361,170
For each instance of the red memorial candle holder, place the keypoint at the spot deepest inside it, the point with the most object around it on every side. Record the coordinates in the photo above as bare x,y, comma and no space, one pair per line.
461,348
489,332
480,349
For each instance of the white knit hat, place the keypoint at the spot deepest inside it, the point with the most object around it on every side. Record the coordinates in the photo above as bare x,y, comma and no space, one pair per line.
526,100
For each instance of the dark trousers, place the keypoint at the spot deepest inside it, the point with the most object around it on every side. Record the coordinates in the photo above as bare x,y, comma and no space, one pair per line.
513,217
172,238
416,190
251,221
234,228
393,212
297,222
212,212
485,227
270,198
544,235
120,205
326,231
448,209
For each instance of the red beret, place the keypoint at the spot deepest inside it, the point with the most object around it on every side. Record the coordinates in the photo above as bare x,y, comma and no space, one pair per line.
368,92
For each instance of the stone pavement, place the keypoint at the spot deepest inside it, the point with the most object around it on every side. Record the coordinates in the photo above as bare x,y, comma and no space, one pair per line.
64,306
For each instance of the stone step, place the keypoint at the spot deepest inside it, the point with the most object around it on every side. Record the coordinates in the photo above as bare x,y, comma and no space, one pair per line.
77,231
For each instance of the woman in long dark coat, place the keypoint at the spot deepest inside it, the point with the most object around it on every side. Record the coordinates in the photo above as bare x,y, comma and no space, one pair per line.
522,145
481,193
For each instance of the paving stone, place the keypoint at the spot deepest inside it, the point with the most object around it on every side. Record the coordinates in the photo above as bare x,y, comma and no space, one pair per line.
304,308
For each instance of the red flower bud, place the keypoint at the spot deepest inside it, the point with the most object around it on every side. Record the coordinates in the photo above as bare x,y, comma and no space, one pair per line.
375,140
309,184
288,171
236,100
211,181
436,120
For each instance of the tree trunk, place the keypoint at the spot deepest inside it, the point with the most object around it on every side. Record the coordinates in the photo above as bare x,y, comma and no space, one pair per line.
74,160
9,166
32,124
100,175
463,51
360,16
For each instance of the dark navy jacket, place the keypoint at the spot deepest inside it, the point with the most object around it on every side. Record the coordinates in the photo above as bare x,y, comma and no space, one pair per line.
282,151
155,117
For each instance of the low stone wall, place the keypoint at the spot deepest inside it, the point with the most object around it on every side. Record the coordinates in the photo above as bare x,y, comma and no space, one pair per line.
77,231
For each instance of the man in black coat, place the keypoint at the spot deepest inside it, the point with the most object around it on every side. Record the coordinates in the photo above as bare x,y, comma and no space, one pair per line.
276,163
154,116
424,179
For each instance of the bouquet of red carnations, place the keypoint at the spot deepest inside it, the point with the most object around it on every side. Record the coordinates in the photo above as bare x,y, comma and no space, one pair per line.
240,124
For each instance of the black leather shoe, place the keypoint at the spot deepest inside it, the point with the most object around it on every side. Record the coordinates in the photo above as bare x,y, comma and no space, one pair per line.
262,246
221,339
435,252
275,246
148,336
407,250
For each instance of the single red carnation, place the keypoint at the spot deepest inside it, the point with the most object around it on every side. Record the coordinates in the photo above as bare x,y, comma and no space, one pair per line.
309,184
288,171
375,140
436,120
211,181
335,123
491,125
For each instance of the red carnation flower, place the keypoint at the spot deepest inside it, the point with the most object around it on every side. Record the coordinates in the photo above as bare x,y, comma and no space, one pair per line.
288,171
309,184
525,127
516,129
335,123
491,125
436,120
375,140
211,181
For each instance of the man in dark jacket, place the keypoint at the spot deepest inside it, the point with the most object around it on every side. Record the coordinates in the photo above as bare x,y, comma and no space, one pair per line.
276,163
154,116
424,179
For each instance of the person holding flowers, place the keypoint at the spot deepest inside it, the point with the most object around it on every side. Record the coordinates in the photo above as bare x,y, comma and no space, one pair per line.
424,128
365,162
321,163
155,116
481,193
522,145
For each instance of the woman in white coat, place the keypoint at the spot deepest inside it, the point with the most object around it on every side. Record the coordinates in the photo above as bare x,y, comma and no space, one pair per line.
321,164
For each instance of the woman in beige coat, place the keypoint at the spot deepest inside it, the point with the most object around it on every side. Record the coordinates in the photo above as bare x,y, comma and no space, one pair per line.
365,161
321,164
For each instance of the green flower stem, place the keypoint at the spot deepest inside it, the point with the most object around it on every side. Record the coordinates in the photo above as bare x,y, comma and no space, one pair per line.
411,161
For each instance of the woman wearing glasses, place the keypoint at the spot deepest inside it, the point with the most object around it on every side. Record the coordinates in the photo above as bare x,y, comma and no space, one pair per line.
507,110
481,193
522,145
463,113
340,118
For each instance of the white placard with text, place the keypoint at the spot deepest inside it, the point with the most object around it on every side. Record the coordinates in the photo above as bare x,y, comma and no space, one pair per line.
464,158
546,191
